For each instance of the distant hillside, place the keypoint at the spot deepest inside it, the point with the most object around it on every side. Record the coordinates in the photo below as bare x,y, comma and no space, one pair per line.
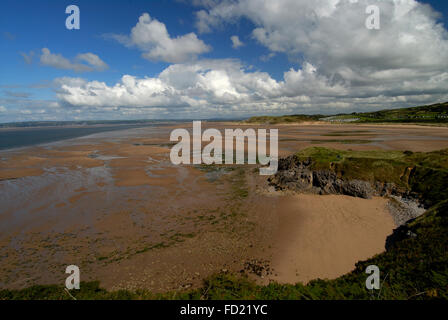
433,113
436,113
284,119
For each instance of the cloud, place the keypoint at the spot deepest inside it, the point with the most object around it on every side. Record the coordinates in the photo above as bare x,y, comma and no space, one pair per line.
267,57
9,36
236,42
225,87
152,37
339,65
200,87
209,87
16,94
93,60
331,34
28,57
3,109
407,57
58,61
33,110
94,63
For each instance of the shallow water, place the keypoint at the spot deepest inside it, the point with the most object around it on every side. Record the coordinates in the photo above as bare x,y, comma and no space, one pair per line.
21,137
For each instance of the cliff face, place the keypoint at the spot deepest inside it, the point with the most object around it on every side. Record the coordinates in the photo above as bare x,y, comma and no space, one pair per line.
296,175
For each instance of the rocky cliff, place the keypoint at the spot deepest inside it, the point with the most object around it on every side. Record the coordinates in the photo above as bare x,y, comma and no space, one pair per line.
297,175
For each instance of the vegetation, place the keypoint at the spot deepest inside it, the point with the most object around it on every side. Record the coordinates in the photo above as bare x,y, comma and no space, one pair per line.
284,119
425,174
431,114
436,113
414,266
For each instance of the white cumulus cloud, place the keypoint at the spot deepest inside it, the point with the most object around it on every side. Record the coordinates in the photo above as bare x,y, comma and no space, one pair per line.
210,88
339,64
410,48
152,37
58,61
203,87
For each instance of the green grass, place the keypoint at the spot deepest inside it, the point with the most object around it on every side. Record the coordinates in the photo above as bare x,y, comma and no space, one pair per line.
283,119
431,114
436,113
422,173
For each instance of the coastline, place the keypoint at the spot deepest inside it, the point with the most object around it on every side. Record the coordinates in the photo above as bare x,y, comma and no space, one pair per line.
138,221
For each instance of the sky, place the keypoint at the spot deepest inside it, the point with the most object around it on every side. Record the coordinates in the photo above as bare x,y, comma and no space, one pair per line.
203,59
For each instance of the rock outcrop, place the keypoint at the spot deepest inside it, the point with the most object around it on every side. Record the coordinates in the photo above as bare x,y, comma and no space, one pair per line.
297,175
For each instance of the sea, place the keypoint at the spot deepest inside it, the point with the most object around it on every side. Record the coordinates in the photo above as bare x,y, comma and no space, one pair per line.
22,137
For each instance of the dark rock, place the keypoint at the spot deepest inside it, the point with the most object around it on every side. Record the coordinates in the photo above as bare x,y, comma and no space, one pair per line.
358,188
296,175
401,233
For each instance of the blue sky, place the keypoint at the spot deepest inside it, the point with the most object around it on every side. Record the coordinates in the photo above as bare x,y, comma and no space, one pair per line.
274,71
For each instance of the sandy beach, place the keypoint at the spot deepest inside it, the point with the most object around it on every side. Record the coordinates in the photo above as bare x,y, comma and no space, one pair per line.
322,236
113,204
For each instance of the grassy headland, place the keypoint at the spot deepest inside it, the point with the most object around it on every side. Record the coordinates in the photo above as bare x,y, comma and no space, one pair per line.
425,174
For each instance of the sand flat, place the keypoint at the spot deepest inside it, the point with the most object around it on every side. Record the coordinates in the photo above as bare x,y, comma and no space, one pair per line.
116,206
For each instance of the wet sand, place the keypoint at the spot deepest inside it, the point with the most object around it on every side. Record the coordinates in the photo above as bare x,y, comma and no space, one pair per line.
114,205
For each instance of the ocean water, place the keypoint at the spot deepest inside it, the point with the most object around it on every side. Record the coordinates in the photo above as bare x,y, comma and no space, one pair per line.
22,137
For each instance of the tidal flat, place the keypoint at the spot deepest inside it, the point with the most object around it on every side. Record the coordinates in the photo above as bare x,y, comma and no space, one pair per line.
114,204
